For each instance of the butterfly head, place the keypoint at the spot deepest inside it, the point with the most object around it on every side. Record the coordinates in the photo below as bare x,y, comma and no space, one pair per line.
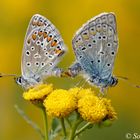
114,81
19,80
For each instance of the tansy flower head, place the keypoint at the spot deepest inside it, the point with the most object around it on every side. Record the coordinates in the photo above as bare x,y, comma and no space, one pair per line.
80,92
39,92
92,109
60,103
111,115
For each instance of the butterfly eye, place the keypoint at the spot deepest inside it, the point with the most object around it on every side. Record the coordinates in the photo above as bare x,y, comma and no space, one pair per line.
32,48
27,53
92,62
28,64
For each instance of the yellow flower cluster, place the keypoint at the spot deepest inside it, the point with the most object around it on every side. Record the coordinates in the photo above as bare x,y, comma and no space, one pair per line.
39,92
60,103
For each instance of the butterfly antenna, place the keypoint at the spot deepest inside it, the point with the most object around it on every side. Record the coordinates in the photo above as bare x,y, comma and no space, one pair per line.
128,82
7,75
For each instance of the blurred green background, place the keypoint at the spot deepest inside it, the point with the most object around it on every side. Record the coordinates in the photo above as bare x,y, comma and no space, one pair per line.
68,16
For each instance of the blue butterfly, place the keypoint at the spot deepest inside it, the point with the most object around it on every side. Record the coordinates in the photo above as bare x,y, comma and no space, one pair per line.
95,46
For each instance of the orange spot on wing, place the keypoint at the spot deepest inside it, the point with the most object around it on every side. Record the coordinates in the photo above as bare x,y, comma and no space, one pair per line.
59,52
49,38
53,43
45,35
33,36
40,33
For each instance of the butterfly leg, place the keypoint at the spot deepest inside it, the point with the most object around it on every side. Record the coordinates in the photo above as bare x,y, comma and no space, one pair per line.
103,92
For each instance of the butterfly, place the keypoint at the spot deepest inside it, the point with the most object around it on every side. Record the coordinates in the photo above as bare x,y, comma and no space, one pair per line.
43,49
95,46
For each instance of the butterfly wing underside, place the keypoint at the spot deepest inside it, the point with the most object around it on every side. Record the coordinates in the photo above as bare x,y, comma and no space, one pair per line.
95,45
43,48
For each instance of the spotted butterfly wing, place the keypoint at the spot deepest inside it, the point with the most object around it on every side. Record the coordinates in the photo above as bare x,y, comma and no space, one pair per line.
43,48
95,46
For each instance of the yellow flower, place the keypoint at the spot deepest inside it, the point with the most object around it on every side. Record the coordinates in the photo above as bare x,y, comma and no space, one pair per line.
111,115
60,103
39,92
92,108
80,92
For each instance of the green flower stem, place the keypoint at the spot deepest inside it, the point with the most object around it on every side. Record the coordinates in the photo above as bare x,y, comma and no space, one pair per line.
68,121
82,129
63,126
45,123
74,127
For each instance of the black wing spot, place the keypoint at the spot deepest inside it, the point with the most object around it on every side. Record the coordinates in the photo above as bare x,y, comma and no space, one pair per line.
50,56
46,53
99,61
27,53
85,33
32,48
42,64
94,41
102,52
109,44
83,48
89,45
37,63
104,37
92,61
28,64
99,37
51,64
108,65
112,53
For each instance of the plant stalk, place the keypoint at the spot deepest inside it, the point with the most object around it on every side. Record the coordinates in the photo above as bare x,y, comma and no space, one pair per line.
45,123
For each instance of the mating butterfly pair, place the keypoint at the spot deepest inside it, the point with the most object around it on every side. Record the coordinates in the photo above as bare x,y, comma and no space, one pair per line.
95,46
